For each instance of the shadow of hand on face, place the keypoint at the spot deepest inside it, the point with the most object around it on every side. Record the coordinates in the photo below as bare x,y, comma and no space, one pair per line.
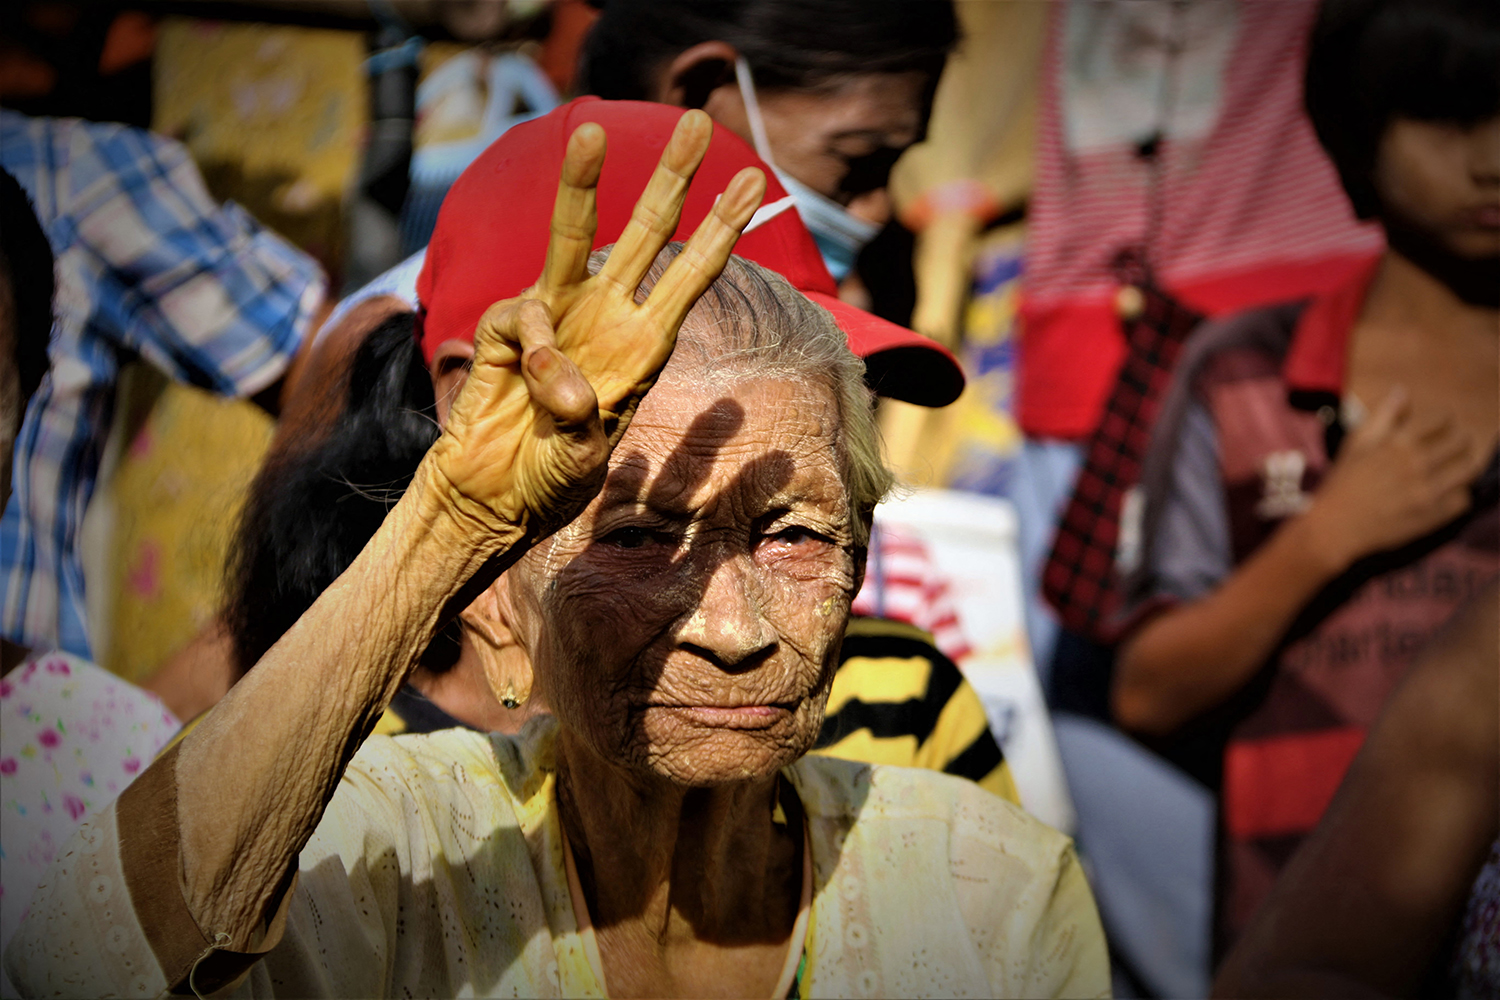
684,472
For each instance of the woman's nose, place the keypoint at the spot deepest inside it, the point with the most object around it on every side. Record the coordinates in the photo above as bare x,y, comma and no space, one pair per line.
729,624
1484,153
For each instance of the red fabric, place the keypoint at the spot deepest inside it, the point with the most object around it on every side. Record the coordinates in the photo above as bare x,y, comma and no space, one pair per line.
1319,351
1282,785
1079,579
1071,352
491,237
1326,685
1252,213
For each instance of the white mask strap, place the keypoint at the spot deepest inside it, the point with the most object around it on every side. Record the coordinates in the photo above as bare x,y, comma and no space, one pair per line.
752,109
762,215
766,213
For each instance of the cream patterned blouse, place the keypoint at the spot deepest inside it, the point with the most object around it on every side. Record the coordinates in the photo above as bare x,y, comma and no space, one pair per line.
438,870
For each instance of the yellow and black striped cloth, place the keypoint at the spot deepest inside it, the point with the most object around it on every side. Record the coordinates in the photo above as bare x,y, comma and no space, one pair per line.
897,700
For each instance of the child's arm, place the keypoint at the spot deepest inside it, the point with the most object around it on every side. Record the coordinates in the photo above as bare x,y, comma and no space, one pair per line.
1398,477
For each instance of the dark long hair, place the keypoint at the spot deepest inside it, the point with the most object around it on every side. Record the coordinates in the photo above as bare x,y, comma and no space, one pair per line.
313,507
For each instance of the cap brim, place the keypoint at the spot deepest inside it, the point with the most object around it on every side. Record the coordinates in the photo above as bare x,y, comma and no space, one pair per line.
899,363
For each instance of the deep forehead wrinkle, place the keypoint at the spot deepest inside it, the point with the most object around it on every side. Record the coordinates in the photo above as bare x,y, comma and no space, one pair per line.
634,479
715,444
769,479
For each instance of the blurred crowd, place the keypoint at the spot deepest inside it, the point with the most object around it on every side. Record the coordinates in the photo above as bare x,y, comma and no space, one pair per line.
1182,323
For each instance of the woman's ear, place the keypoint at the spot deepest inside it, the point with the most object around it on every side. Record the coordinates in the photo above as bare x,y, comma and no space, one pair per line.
696,73
507,667
450,366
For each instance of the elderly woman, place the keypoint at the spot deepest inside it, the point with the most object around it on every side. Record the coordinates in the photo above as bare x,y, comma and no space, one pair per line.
679,567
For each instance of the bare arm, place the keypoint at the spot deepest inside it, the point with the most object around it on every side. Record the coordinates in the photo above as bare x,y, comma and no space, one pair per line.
286,731
1398,478
1364,905
1198,654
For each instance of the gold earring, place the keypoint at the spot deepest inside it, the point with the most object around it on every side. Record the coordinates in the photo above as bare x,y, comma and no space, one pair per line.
510,677
509,699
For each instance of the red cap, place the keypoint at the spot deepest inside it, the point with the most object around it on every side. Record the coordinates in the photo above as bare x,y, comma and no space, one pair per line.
491,236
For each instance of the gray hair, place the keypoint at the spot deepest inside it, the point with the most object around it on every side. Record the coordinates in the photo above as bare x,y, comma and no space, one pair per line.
751,323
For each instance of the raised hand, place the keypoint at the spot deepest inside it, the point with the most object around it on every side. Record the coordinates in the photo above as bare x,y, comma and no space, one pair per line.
558,371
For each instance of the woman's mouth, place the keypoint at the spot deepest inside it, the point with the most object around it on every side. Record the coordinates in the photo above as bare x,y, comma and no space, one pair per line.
730,716
1486,217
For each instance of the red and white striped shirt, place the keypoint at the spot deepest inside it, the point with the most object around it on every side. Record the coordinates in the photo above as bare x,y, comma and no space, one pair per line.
1251,212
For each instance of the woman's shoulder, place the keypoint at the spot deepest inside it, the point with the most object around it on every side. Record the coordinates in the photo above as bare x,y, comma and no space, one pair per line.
871,795
432,787
450,763
963,885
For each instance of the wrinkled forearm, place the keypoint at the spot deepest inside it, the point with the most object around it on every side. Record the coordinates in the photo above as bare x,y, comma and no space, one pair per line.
254,777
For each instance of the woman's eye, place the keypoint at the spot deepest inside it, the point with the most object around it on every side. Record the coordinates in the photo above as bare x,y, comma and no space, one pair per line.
795,535
637,537
629,538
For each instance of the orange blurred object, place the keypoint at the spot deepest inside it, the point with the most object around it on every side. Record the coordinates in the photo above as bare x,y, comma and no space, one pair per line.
571,21
131,39
24,75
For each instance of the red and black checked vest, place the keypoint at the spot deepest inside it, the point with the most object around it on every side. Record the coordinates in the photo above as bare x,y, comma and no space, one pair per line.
1080,578
1339,662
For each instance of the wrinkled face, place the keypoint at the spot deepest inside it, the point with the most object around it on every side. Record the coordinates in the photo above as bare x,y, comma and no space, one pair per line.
687,625
1445,180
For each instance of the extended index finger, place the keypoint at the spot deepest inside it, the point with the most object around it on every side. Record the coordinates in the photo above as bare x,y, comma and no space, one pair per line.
659,207
704,256
574,213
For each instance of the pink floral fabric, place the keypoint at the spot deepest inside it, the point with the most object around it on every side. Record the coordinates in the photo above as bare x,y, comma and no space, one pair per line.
72,736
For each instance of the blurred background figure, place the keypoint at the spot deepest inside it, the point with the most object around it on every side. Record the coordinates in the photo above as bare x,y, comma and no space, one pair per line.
72,735
272,103
1177,177
149,266
829,93
1320,491
1397,892
115,253
433,110
1174,176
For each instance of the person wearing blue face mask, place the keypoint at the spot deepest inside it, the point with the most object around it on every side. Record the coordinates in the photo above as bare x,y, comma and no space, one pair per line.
839,233
830,92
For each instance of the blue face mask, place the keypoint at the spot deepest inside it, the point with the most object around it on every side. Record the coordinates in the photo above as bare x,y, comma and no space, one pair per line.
839,235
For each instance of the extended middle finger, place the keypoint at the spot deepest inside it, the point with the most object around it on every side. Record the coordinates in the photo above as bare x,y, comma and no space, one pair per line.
659,207
704,256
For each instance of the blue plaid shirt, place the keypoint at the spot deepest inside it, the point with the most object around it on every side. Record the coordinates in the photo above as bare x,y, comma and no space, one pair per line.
148,266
